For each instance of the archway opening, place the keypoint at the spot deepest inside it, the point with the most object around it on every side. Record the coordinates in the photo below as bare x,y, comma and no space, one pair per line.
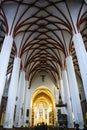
42,107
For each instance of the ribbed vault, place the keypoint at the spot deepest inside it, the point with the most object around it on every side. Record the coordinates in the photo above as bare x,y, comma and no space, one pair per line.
42,32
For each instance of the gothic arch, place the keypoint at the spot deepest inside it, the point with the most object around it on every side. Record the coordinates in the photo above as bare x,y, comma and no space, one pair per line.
42,96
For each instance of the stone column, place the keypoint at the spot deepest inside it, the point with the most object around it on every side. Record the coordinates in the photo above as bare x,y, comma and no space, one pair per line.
67,99
62,96
19,120
56,101
12,94
23,99
78,117
82,59
4,60
25,104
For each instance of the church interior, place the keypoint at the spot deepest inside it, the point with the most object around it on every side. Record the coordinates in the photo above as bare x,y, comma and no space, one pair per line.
43,64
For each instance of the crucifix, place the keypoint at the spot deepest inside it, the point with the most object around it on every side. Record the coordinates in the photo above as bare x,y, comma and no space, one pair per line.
43,77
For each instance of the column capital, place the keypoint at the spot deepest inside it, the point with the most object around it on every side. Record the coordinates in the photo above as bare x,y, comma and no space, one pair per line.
8,35
22,70
76,35
64,68
68,57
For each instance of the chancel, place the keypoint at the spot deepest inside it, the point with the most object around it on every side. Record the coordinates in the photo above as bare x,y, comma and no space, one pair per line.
43,64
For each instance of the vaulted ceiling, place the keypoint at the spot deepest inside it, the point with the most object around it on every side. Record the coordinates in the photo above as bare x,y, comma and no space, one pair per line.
42,32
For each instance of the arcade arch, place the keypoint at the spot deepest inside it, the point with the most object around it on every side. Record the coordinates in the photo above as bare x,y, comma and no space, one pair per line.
42,107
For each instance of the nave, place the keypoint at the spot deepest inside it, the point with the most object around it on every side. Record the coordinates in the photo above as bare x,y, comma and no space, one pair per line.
43,63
